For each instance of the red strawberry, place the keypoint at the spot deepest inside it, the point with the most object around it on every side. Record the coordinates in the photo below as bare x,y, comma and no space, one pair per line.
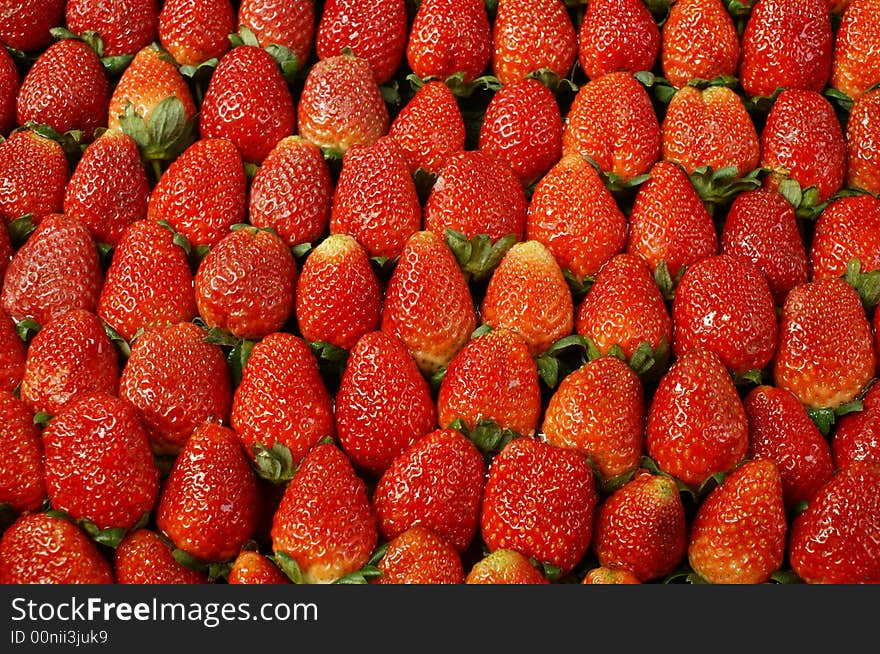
617,35
602,575
194,31
292,191
254,568
22,480
834,540
383,404
436,483
419,556
290,24
696,424
539,500
847,228
699,41
176,380
143,557
43,549
149,282
12,354
338,296
56,270
855,64
863,143
125,26
10,82
825,354
641,528
33,176
857,436
504,567
245,284
6,252
325,522
25,25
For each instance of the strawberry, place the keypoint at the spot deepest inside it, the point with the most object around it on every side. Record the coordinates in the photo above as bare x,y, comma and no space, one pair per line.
493,377
862,143
699,41
738,534
786,44
857,437
641,528
208,506
612,121
12,354
528,37
143,557
341,105
428,303
436,483
253,568
285,23
383,404
602,575
449,37
617,35
376,31
849,227
420,556
10,82
203,192
476,194
855,63
282,398
825,354
149,282
22,477
66,88
248,102
108,189
338,296
375,199
33,176
802,139
761,226
504,567
43,549
292,192
575,216
245,284
176,380
696,425
599,410
6,252
56,270
194,31
834,541
71,356
781,430
523,127
539,500
325,522
25,25
125,26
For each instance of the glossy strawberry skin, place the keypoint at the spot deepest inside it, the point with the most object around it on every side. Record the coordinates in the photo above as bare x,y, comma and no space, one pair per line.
862,139
504,567
33,176
253,568
144,558
22,477
857,435
12,354
420,556
290,24
10,83
847,228
616,36
603,575
855,65
194,31
124,26
699,41
25,25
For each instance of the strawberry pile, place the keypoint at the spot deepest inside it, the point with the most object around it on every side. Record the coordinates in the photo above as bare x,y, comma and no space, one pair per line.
527,291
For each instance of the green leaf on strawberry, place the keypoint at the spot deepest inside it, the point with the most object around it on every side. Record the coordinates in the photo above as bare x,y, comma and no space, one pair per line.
288,566
274,464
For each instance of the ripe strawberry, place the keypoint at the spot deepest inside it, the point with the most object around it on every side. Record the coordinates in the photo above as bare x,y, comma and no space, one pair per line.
194,31
522,126
10,83
338,296
699,41
6,252
253,568
781,430
532,36
203,192
825,354
761,226
617,35
848,227
476,194
33,176
612,121
855,64
176,380
341,105
539,500
56,270
209,504
375,199
285,23
863,143
12,354
504,567
602,575
325,522
282,398
599,410
641,528
696,424
25,25
149,282
428,303
43,549
124,26
420,556
834,540
857,436
143,557
22,479
436,483
245,284
292,191
802,139
449,37
495,377
786,44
